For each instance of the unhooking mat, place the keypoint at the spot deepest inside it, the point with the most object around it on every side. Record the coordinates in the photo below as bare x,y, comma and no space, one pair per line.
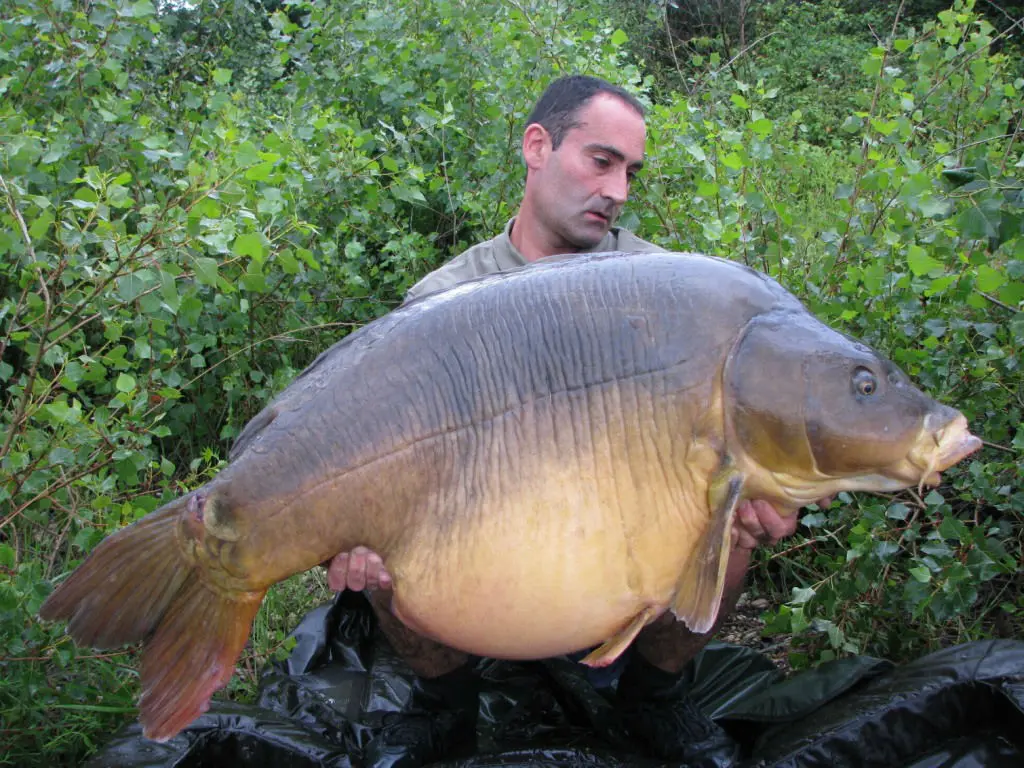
962,707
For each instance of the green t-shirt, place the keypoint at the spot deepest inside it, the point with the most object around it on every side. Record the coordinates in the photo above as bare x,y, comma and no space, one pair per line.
499,255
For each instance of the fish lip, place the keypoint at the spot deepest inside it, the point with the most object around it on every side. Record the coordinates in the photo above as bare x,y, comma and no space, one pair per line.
940,449
955,443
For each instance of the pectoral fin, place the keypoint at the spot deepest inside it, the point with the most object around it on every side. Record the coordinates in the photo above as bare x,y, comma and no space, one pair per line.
611,649
699,590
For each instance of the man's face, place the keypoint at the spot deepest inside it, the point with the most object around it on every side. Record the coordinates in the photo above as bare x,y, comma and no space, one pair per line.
582,186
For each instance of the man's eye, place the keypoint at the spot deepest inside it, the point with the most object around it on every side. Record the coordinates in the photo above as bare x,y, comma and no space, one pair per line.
602,161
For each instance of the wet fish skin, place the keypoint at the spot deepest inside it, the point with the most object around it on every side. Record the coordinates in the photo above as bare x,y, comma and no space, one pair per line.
546,459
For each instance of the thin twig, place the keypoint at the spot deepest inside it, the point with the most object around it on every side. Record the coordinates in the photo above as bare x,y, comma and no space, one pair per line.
998,447
997,302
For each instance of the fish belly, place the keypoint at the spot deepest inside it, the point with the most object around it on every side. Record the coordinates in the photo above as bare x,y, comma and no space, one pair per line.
521,597
548,566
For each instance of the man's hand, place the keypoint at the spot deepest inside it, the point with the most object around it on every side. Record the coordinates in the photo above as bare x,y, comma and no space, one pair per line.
757,522
358,570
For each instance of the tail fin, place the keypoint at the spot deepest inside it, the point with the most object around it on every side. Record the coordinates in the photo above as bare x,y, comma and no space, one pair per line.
125,585
138,585
192,655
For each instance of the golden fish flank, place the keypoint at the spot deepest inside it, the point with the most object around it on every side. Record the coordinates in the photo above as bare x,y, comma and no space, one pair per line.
547,460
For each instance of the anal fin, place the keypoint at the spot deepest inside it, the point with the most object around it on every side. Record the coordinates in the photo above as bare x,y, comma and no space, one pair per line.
699,589
612,648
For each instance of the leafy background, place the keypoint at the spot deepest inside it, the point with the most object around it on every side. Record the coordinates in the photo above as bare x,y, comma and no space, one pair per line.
198,198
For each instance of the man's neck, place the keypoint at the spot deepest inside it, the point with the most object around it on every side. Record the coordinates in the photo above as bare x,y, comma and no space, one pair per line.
530,241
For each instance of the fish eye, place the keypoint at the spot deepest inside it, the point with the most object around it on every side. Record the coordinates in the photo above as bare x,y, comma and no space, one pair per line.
864,382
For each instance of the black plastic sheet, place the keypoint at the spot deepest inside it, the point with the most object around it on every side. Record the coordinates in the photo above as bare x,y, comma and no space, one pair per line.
957,708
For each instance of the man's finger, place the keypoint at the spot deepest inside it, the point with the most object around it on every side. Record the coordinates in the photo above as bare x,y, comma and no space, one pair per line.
747,528
337,572
356,577
773,525
374,570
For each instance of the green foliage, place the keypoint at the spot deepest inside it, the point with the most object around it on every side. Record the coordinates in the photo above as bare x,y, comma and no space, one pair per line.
196,201
925,259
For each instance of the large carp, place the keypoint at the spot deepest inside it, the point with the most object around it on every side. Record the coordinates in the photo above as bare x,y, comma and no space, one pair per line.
546,459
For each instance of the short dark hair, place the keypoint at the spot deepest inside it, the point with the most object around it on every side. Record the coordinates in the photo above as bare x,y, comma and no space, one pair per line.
558,106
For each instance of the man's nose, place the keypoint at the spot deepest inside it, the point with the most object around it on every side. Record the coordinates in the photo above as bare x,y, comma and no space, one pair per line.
616,187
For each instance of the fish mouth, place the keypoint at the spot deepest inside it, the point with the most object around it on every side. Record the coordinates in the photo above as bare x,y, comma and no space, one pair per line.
940,449
935,450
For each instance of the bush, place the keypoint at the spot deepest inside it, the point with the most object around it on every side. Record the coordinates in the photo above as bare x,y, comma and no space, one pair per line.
198,201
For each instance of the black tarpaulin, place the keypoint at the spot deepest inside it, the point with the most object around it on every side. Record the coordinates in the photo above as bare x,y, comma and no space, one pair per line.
961,707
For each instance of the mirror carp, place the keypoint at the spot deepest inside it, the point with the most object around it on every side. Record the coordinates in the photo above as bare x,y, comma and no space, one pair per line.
547,460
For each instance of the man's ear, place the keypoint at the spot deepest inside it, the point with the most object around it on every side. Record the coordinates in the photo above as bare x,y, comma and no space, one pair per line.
536,146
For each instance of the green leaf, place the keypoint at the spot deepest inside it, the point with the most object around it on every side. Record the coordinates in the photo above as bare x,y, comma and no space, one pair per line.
222,76
920,262
898,512
41,224
206,270
989,279
6,556
761,127
287,261
247,154
619,38
871,67
739,101
125,383
980,221
921,574
130,287
249,244
260,172
732,161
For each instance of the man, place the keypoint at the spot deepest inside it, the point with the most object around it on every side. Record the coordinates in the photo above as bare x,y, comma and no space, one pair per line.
583,144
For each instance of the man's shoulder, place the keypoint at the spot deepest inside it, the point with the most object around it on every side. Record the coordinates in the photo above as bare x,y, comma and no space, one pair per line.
620,239
480,259
498,255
